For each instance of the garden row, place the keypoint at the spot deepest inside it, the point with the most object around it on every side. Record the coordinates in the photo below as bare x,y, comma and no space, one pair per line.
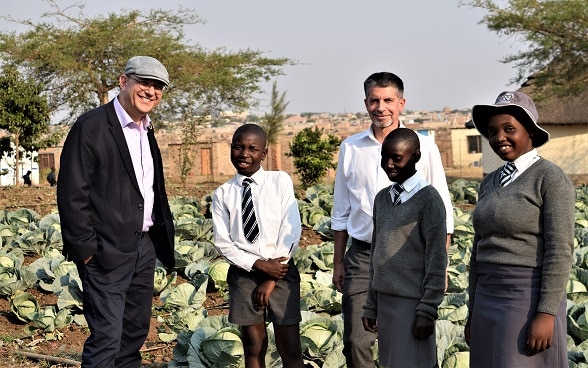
206,341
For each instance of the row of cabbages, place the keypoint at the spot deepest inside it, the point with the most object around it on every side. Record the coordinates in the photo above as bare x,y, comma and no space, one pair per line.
206,341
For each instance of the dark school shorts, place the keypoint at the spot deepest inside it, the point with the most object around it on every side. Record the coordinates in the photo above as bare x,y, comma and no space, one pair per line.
284,305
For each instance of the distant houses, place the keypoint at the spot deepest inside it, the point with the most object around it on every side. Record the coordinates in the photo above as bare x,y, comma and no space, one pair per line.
461,148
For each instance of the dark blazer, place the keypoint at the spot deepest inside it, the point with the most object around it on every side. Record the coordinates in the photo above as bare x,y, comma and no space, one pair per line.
100,204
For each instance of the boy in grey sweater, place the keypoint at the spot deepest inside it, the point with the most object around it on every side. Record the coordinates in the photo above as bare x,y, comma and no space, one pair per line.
408,259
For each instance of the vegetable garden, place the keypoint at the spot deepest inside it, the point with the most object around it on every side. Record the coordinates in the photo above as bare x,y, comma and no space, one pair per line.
203,340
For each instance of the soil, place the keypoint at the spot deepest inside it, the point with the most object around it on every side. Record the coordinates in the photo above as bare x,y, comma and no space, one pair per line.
16,350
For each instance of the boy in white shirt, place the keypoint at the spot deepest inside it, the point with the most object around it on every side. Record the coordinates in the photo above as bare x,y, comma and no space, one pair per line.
257,229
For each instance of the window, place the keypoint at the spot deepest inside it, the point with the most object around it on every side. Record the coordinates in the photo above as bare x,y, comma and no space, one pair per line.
474,144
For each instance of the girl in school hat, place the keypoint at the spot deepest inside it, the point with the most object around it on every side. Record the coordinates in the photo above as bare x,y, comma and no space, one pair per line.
523,245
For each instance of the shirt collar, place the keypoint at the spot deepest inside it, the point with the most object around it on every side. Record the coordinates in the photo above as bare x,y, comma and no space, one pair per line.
125,119
525,160
410,183
256,177
369,132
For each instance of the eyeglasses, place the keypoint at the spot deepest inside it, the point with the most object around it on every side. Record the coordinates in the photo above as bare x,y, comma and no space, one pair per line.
147,83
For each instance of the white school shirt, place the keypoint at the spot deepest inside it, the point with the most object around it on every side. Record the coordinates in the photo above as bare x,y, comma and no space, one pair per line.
276,211
359,178
140,151
522,164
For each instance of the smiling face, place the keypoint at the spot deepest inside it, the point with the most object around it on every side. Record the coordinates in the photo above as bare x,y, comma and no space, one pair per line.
508,137
384,106
248,151
399,158
137,98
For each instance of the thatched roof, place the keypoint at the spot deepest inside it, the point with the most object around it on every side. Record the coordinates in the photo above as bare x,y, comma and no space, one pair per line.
571,110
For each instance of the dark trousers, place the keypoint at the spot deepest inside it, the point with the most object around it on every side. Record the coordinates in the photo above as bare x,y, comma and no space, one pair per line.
117,307
357,342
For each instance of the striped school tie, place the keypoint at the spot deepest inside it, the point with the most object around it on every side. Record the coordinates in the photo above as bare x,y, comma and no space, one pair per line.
506,173
397,189
250,226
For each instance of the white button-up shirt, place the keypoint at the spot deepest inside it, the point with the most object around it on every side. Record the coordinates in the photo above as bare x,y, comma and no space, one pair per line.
359,178
276,211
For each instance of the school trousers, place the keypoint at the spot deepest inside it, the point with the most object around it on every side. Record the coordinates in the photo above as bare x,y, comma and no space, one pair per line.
357,342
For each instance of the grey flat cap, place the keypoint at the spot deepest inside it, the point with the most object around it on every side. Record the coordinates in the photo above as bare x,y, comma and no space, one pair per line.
147,67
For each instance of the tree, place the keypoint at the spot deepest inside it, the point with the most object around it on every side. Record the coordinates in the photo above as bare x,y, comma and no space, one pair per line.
23,114
273,121
79,59
191,129
556,33
313,155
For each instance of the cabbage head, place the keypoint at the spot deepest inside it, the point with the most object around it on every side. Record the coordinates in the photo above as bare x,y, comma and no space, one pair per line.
222,349
578,321
24,306
319,336
218,273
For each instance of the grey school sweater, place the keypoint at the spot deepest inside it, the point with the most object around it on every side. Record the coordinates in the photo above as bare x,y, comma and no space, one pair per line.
529,223
408,256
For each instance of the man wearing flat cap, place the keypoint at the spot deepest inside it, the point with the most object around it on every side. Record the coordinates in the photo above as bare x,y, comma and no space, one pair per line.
115,217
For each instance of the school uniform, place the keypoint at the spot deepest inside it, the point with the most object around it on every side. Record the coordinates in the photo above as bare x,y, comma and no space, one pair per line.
521,259
407,271
276,211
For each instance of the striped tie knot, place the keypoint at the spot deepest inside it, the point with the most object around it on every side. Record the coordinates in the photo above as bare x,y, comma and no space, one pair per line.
506,173
397,189
250,226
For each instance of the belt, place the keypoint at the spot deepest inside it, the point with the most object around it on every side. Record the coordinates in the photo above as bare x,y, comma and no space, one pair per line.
360,244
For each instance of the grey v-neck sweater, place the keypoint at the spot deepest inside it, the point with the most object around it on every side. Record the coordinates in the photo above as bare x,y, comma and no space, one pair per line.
529,223
408,256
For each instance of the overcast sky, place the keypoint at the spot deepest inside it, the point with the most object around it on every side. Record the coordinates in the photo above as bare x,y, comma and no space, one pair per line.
444,56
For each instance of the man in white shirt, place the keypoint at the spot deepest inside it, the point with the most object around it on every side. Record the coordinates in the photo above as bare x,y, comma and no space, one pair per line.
359,178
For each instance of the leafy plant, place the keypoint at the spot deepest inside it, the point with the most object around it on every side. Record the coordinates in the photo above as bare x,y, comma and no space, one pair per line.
313,155
319,336
24,306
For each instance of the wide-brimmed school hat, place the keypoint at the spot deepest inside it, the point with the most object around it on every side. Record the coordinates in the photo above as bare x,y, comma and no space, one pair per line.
147,67
516,104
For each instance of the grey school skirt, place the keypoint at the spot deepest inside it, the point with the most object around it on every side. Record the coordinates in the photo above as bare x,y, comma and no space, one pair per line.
397,345
506,301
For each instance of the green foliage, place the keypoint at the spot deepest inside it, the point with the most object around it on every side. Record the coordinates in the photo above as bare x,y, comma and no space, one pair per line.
218,274
464,191
555,35
162,280
182,315
578,321
320,336
48,322
24,114
24,306
313,155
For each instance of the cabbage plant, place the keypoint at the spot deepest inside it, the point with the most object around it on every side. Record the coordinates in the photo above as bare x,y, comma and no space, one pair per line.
320,336
24,306
222,348
218,274
48,322
578,321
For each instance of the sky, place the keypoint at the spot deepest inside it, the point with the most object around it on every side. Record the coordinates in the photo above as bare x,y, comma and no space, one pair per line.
439,49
